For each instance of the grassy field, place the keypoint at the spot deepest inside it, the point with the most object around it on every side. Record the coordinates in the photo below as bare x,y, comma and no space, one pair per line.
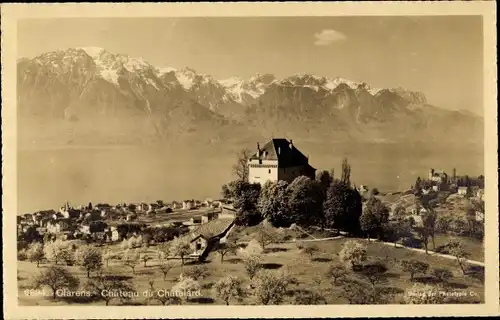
285,256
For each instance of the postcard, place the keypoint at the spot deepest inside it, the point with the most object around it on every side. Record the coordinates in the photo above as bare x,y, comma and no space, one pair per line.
258,160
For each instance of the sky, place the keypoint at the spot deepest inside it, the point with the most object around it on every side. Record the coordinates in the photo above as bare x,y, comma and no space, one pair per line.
440,56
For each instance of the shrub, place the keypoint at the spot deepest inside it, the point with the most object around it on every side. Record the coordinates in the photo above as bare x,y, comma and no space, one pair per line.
414,266
353,252
442,275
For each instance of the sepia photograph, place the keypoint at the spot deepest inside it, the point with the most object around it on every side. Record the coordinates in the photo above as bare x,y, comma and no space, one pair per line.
197,161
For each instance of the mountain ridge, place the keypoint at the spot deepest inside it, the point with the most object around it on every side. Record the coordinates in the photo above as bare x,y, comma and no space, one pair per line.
78,85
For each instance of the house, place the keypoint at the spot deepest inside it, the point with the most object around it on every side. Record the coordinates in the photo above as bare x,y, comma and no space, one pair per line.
188,204
207,236
480,194
176,205
462,191
437,176
278,160
209,216
228,211
479,216
56,226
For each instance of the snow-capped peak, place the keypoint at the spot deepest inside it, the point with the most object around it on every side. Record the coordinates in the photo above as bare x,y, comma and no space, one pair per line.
163,70
93,52
231,82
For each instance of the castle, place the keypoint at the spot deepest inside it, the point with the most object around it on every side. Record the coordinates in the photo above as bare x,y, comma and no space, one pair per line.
278,160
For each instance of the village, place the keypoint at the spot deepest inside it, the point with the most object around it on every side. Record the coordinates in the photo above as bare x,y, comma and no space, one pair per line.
278,211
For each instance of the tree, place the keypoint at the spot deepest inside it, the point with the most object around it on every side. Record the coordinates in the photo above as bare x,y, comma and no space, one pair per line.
310,250
402,230
423,294
165,266
429,223
346,172
240,168
227,289
246,197
164,297
305,201
185,287
179,247
342,208
124,244
414,266
109,287
443,223
270,288
131,259
357,291
418,186
54,250
229,247
252,265
197,272
325,180
309,298
336,271
35,253
442,275
374,273
273,203
353,252
89,258
456,248
374,217
55,278
226,192
266,235
108,255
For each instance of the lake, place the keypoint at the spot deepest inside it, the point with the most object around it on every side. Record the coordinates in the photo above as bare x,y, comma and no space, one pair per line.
49,177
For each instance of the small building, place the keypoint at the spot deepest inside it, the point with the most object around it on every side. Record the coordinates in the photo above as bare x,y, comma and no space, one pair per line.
56,226
207,236
462,191
176,205
228,211
209,216
479,216
188,204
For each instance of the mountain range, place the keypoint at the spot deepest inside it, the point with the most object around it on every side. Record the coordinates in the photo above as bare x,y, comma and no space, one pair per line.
92,96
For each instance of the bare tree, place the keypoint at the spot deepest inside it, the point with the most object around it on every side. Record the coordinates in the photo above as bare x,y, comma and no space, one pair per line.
197,272
55,278
131,259
229,247
106,287
414,266
228,288
165,267
252,265
456,248
89,258
270,288
35,253
336,271
240,168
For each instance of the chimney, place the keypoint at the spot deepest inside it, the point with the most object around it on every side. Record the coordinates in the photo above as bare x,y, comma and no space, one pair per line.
258,149
291,144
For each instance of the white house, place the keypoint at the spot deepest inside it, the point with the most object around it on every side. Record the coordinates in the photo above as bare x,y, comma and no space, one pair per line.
278,160
187,204
462,191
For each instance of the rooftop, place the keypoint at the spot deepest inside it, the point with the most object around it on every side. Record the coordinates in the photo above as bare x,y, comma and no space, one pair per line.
282,150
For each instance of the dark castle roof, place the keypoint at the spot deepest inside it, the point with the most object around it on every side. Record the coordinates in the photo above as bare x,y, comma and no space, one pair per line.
282,150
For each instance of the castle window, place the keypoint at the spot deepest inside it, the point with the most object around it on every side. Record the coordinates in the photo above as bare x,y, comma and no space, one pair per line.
269,170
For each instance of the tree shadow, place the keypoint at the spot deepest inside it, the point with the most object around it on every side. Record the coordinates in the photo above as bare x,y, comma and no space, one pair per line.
393,275
132,303
233,260
271,266
391,290
274,250
118,277
202,300
456,285
320,259
207,285
476,272
413,242
426,280
79,300
297,291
